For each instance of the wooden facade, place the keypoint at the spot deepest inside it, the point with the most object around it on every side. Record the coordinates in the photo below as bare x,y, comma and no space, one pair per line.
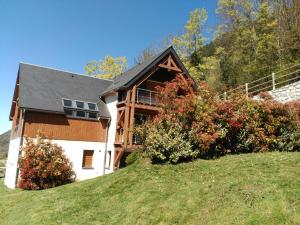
161,73
60,127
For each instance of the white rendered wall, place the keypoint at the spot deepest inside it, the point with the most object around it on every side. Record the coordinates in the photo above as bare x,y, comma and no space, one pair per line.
12,163
111,102
74,151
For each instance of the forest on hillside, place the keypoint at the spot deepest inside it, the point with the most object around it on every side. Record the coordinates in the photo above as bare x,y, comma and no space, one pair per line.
252,39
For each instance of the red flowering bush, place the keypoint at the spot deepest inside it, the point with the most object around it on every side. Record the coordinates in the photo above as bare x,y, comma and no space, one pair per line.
195,124
43,165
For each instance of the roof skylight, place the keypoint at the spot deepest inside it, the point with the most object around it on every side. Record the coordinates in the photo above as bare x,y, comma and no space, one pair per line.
80,109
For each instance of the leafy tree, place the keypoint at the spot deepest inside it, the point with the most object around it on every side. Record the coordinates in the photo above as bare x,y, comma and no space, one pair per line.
248,37
146,54
108,68
189,45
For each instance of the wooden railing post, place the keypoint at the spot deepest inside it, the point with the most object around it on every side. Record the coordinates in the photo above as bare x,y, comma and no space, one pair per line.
225,95
273,81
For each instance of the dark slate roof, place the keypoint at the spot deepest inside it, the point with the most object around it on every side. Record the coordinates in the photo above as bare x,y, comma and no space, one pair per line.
43,89
129,77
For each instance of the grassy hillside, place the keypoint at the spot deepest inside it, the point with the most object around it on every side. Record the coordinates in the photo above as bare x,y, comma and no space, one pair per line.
4,143
245,189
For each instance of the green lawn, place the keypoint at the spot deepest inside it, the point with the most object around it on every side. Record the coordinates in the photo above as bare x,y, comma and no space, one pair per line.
241,189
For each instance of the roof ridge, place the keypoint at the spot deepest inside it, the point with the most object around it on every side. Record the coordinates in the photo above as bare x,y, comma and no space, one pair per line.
64,71
145,61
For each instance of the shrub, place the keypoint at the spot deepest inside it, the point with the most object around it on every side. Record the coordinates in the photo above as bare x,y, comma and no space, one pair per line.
43,165
133,157
167,141
192,125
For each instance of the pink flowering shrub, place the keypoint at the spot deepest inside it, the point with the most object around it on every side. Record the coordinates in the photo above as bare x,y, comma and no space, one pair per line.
43,165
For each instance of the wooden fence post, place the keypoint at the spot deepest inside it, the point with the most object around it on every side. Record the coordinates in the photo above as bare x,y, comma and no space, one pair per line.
246,89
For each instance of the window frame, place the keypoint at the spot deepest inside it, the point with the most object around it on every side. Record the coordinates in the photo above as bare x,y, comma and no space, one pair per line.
76,109
84,166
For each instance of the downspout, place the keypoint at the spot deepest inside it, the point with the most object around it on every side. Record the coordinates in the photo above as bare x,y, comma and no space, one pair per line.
106,143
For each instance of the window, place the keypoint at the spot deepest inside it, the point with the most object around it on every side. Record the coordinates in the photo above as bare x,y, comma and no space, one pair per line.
108,159
80,109
69,112
92,106
79,105
93,115
87,160
67,103
80,113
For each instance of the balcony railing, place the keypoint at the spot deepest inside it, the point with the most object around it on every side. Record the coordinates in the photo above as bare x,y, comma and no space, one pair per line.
145,96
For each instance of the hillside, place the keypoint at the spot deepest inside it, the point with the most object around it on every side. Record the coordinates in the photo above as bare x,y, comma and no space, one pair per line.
240,189
4,143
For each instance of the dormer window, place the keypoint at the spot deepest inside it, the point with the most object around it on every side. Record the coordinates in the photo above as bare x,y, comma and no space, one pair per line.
80,109
92,106
79,105
67,103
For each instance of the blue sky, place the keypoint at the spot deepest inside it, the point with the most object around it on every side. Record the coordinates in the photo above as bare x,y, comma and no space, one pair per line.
66,34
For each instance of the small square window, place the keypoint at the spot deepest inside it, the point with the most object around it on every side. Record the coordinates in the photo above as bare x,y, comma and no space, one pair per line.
93,115
67,103
87,159
79,105
92,106
80,113
69,112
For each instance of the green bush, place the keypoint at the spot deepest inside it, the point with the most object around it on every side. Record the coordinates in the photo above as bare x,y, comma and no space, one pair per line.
133,157
167,141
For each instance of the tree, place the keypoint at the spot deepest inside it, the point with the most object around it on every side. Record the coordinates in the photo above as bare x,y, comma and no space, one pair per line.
248,37
189,45
43,165
146,54
108,68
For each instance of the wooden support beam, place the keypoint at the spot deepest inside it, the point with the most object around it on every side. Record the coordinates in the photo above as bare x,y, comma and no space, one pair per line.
125,130
169,68
170,65
148,107
126,119
146,77
120,116
131,120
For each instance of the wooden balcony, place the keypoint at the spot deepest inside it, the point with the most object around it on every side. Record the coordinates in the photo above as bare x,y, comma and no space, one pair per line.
147,97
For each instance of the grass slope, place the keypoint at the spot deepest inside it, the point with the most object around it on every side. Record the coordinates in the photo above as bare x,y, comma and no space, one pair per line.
4,143
241,189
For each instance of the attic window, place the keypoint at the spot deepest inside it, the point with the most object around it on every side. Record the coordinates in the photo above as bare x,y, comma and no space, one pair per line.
80,109
79,105
67,103
92,106
80,113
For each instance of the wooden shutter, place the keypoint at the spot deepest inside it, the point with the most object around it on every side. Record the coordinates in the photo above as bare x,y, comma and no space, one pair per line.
87,160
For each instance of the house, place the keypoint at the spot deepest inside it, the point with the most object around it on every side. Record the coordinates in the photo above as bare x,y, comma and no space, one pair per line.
91,119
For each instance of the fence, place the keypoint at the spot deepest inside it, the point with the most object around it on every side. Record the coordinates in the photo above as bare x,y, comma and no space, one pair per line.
268,83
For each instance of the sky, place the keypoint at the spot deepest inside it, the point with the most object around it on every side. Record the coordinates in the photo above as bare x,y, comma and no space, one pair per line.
66,34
